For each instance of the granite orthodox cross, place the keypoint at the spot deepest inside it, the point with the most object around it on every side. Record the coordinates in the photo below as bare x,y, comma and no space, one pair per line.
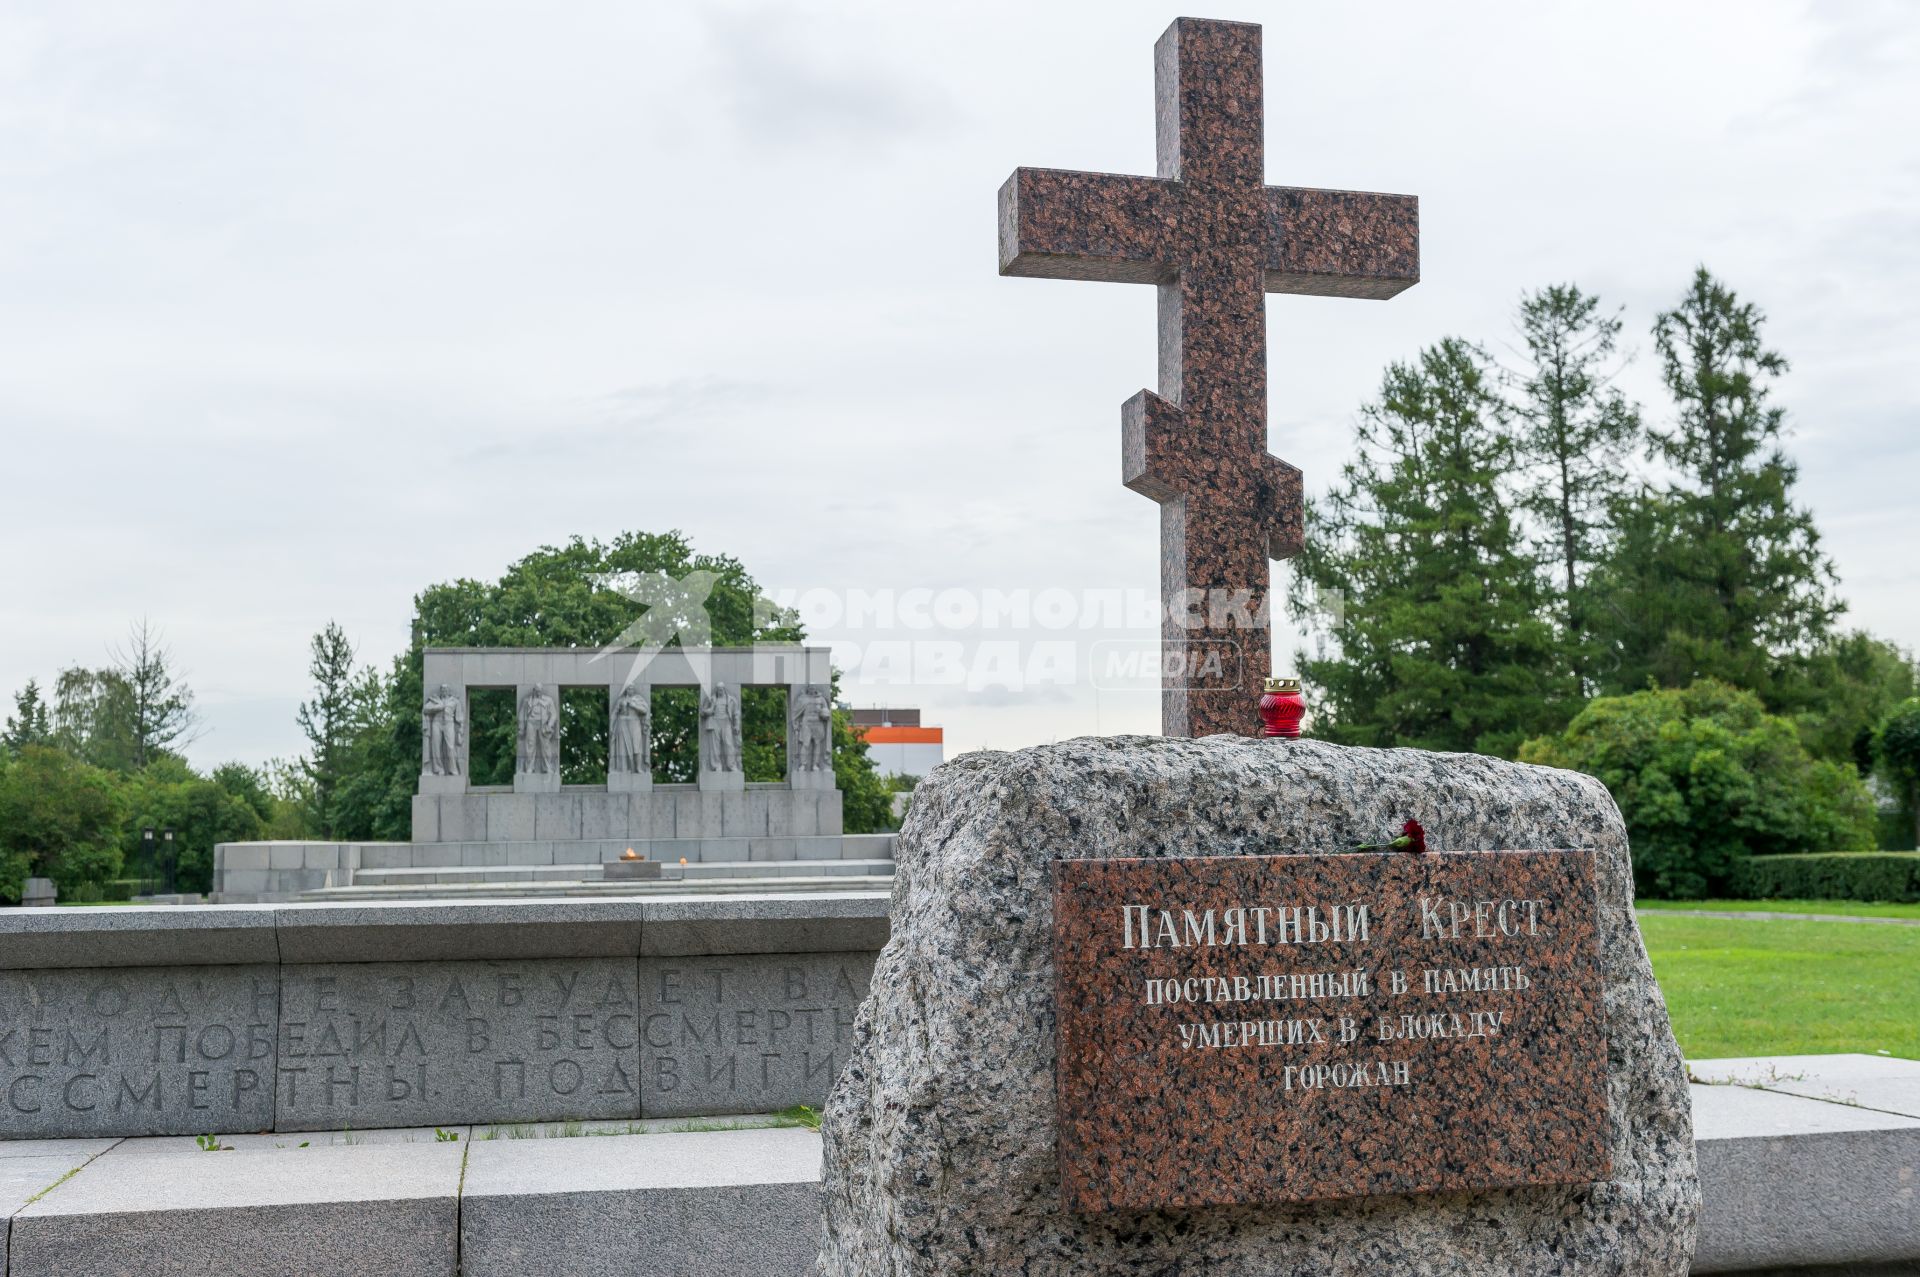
1213,238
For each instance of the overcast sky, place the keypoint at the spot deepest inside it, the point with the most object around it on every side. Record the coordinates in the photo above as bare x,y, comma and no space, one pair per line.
305,307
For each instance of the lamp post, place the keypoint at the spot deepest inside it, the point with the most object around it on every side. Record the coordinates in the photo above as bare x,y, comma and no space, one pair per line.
146,861
168,855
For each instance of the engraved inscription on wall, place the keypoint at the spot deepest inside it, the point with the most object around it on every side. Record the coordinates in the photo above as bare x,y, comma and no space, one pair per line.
414,1044
137,1051
1301,1028
756,1033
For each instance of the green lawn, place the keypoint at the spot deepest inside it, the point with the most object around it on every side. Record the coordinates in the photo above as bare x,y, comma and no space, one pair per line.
1744,986
1851,908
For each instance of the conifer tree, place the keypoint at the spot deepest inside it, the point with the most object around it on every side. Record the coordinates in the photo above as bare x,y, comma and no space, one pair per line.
332,722
1717,573
30,722
160,702
1573,432
1419,565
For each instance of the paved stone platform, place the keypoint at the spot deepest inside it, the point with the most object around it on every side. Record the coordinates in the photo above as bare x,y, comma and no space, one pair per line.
1793,1184
1770,915
1808,1162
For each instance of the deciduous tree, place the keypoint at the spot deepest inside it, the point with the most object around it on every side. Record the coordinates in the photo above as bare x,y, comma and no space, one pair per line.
93,718
1839,693
59,818
1704,776
200,811
564,596
1896,747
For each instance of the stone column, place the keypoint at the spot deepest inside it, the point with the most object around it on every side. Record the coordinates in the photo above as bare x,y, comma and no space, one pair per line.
722,769
536,768
809,737
622,779
445,705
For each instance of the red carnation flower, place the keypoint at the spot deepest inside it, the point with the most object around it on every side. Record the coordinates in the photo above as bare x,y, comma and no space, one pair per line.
1413,838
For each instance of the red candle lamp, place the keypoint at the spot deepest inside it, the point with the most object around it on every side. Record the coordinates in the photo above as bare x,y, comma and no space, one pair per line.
1282,708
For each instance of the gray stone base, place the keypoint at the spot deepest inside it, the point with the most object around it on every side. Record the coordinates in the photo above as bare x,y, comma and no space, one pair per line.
660,812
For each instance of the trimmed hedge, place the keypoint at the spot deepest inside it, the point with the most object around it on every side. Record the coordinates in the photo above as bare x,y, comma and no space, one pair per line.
1841,875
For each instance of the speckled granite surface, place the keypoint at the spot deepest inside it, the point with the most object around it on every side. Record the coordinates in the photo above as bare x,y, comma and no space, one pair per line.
941,1156
1214,240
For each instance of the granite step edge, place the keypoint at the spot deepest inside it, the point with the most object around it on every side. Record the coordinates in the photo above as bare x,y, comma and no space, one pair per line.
521,890
1788,1181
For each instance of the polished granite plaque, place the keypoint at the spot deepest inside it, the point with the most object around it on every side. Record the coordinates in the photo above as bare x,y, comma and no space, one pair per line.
1243,1029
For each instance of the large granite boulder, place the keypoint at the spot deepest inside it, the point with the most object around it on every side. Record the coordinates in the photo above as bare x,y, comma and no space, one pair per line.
940,1147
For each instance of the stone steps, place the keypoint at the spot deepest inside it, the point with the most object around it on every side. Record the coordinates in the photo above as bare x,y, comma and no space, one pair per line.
1789,1182
739,1201
256,873
520,855
592,873
716,884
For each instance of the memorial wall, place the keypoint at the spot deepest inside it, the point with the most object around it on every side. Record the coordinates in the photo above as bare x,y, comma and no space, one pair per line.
217,1019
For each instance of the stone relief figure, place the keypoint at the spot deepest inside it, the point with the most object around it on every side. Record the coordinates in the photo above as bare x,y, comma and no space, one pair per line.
720,729
632,732
539,732
443,733
810,728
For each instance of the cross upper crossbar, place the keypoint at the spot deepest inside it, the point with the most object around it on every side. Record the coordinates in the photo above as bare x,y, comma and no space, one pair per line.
1215,240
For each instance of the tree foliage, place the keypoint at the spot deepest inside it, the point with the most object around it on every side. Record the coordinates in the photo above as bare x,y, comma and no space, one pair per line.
159,704
1704,776
1896,749
866,798
1716,573
1839,693
201,811
60,818
566,596
1418,561
1486,563
335,723
93,718
31,722
284,812
88,772
1575,429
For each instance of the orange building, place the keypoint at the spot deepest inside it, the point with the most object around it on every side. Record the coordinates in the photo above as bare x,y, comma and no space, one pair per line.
898,743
